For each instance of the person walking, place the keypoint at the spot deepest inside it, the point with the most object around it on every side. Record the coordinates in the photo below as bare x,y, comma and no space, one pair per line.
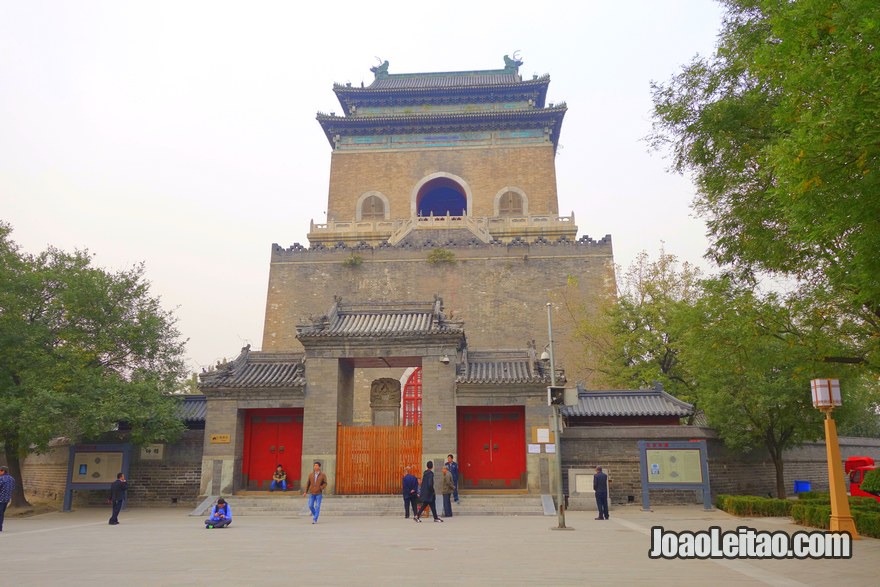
117,497
448,488
410,492
7,486
453,469
427,494
600,486
315,490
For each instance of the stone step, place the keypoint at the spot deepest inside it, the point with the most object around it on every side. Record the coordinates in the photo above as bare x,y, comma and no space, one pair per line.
293,504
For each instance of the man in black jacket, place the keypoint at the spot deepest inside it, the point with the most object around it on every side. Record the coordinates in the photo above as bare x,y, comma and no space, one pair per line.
428,496
410,492
600,486
117,497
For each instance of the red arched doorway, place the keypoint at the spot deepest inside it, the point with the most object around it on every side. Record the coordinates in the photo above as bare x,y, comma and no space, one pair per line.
440,197
412,399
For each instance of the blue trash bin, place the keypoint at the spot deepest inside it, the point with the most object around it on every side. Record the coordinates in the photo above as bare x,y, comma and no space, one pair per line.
801,486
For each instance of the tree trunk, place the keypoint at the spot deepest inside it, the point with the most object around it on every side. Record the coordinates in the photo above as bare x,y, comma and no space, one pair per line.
13,457
780,476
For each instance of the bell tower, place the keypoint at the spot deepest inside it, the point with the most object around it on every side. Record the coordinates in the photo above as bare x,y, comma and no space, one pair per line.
467,151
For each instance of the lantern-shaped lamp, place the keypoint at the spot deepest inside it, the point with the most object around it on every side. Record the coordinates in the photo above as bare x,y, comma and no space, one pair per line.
826,393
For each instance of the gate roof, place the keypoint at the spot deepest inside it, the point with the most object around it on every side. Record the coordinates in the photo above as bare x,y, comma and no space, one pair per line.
381,320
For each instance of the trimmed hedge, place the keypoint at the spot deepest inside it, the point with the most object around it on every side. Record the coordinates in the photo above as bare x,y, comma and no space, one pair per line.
811,514
810,495
866,504
752,505
867,523
814,511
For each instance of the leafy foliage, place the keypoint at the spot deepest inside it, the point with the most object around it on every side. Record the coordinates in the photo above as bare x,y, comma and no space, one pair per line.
632,340
441,256
779,130
81,349
871,482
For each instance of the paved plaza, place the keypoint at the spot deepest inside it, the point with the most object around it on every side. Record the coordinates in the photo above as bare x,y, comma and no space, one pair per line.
168,547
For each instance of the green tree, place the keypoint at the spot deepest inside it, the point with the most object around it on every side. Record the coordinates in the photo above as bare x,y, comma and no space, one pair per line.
632,342
753,370
779,130
81,349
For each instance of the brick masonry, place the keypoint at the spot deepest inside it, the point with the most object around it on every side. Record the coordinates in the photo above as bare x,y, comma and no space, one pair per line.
499,291
484,170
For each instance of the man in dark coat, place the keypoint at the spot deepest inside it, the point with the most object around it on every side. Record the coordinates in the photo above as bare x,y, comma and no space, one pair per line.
117,496
7,486
428,496
410,492
600,486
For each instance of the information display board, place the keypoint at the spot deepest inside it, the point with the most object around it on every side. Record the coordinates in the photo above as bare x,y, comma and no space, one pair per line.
674,465
94,466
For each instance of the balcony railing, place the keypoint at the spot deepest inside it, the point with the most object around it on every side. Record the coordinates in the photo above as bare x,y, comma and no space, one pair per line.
482,227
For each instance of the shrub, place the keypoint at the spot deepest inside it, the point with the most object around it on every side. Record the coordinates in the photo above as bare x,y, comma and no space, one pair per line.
867,523
353,261
812,495
865,504
808,514
751,505
441,256
871,482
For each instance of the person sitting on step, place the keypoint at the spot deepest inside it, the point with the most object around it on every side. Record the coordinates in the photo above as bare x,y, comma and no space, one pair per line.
279,479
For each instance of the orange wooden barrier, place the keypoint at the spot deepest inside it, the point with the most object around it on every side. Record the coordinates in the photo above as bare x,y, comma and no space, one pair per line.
370,459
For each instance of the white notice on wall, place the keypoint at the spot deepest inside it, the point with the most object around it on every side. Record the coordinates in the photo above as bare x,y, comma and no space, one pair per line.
543,435
550,448
534,449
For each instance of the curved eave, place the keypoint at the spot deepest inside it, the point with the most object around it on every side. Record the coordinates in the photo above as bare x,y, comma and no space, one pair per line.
351,96
447,122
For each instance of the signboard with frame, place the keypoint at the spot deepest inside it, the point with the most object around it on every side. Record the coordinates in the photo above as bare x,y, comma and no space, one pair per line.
94,466
674,465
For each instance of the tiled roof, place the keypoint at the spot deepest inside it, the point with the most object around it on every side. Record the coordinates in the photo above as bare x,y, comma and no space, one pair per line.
644,402
370,319
257,369
501,367
193,408
444,80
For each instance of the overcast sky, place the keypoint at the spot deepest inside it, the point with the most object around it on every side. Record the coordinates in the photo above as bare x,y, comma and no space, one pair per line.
183,134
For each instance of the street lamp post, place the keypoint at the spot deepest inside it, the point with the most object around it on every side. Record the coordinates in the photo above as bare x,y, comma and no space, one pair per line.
826,395
557,429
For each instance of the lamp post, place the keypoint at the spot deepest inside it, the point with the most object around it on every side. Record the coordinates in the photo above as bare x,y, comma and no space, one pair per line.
826,396
557,429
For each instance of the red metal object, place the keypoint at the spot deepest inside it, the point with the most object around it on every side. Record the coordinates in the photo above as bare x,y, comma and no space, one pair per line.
271,438
492,447
856,467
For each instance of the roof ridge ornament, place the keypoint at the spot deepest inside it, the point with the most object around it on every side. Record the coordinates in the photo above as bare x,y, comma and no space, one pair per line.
512,65
380,70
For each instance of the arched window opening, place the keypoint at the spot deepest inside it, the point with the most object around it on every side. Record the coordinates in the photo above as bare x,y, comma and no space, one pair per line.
510,204
372,208
412,399
441,196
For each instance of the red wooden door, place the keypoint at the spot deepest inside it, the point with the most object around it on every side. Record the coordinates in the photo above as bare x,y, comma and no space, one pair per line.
272,438
492,447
